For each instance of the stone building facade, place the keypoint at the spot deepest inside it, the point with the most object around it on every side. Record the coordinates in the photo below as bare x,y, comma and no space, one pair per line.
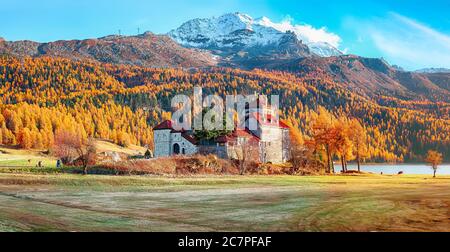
267,143
169,142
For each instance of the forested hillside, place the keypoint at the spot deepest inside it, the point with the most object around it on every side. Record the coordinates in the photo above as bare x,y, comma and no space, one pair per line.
121,103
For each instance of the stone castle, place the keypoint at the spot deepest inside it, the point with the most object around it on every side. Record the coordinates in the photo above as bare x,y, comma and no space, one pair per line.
267,143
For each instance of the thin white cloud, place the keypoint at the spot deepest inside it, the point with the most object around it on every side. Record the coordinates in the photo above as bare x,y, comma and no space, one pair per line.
439,37
405,41
305,32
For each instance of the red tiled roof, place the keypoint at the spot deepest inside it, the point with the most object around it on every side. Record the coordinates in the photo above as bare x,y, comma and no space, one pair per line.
164,125
168,125
238,133
190,138
269,123
223,139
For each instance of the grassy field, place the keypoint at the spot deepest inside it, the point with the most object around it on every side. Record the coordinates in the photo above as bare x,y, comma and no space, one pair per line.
24,158
105,146
265,203
29,158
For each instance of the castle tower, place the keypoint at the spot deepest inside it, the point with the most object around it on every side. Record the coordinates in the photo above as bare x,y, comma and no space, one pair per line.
162,139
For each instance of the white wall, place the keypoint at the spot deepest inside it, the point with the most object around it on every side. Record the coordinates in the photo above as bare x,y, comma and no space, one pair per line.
177,138
165,141
162,143
272,144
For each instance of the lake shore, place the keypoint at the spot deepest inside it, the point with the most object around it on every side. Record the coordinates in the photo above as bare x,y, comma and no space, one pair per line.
392,169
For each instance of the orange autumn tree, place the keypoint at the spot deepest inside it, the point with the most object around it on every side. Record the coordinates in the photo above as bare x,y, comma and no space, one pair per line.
69,147
343,141
325,136
295,134
109,101
296,147
434,158
24,138
358,136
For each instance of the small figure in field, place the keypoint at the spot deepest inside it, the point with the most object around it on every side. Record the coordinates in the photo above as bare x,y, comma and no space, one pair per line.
400,173
382,173
29,161
148,154
58,163
434,158
39,164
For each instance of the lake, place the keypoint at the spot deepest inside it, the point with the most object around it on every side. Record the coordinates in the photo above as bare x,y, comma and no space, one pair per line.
395,168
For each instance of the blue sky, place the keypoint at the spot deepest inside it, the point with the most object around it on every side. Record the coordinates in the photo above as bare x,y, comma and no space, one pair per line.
410,33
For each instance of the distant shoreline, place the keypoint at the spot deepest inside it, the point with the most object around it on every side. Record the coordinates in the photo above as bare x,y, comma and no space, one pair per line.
362,164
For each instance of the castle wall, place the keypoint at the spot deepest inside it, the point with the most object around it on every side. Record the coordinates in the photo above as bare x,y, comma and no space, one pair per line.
162,140
165,142
286,145
188,147
271,152
271,144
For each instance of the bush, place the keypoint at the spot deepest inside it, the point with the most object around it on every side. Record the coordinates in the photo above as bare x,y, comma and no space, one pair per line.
174,166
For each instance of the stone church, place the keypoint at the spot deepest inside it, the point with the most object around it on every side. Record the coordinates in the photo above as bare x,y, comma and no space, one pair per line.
268,142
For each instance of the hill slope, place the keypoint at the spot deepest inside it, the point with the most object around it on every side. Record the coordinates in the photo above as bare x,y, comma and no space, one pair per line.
147,50
249,49
123,103
371,77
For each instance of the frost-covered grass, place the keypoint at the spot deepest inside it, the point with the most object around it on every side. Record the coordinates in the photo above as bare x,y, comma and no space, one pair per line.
223,203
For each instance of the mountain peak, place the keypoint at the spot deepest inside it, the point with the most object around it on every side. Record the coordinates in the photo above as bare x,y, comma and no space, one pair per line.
243,17
239,30
265,21
227,31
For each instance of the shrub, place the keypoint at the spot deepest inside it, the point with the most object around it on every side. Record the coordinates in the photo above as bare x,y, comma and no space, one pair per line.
174,166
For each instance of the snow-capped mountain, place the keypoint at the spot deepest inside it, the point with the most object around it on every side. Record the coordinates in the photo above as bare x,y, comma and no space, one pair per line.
324,49
240,31
318,47
433,70
229,30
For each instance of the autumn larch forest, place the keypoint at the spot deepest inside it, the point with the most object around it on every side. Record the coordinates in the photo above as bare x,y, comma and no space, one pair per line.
43,96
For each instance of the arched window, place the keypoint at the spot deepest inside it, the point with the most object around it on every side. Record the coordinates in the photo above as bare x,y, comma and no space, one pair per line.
176,149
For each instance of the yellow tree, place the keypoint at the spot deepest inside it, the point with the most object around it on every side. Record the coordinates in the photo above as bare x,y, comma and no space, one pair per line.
25,139
296,147
295,134
324,135
344,145
434,158
358,136
123,139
